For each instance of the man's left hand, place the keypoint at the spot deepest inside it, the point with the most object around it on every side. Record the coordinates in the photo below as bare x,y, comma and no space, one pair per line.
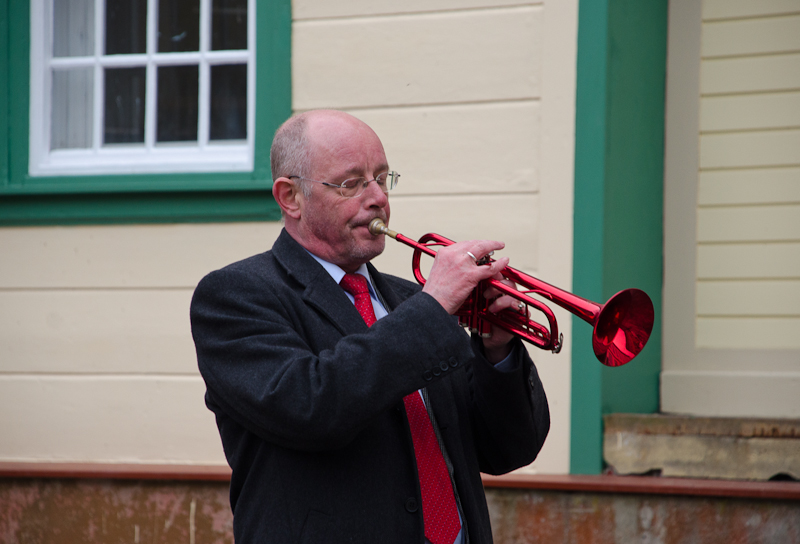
498,346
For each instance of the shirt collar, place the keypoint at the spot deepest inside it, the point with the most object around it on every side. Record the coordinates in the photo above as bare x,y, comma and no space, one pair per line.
337,273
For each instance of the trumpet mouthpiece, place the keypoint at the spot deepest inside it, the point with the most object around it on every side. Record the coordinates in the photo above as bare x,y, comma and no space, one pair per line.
377,226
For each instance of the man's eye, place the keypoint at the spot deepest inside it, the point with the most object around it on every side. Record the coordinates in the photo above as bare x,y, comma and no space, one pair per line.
352,183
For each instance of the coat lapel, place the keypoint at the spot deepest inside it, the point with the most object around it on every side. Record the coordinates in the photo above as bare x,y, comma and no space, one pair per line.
320,291
390,298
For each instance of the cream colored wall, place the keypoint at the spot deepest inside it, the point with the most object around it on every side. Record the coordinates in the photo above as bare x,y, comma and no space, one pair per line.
96,357
732,334
474,102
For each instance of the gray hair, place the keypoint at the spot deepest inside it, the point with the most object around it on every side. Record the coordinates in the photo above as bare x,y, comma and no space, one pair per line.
290,154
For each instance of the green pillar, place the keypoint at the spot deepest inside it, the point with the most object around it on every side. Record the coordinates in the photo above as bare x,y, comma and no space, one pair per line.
618,222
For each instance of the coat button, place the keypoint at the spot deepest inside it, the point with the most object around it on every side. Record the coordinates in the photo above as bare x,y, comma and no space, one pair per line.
453,362
436,371
427,375
411,505
443,365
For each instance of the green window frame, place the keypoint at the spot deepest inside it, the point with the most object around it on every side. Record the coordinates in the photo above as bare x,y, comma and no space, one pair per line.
139,198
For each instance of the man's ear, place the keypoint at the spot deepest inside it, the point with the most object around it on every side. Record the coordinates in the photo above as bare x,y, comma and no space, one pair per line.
288,196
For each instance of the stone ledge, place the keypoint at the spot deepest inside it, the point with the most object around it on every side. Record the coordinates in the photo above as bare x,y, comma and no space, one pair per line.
702,447
114,471
646,485
168,474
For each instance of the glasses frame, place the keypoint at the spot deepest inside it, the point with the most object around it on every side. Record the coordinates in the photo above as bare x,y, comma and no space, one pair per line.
392,178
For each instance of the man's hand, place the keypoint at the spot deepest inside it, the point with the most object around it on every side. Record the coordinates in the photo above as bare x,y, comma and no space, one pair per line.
455,273
498,346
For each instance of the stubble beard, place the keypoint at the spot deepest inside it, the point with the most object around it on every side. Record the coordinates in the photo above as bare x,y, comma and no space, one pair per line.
357,250
365,253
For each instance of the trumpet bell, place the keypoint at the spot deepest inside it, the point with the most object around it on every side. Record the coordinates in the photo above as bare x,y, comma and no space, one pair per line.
622,327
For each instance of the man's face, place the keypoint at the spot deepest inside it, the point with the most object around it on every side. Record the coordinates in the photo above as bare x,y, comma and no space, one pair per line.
333,227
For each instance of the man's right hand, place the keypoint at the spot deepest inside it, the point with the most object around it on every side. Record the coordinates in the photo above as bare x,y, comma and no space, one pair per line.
455,273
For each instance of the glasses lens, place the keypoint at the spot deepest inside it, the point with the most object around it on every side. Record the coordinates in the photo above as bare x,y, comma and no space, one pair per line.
352,187
392,179
355,186
381,181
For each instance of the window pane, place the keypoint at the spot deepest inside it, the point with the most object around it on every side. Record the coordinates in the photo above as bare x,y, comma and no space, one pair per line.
177,104
229,24
71,122
178,25
229,102
126,22
124,105
73,28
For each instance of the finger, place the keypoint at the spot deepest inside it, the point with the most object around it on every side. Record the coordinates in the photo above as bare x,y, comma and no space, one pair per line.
482,248
505,303
495,267
487,271
493,292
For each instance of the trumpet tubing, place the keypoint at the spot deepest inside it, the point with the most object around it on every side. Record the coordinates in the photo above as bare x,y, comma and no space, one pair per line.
621,326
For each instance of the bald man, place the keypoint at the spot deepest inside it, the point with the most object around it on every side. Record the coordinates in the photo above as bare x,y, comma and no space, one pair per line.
351,405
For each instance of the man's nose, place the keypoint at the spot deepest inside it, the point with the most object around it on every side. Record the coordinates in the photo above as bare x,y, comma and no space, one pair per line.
374,196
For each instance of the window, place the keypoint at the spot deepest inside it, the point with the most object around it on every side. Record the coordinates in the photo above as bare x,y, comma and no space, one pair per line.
131,111
141,86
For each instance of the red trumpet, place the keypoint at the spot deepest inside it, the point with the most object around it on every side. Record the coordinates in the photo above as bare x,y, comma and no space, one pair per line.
622,325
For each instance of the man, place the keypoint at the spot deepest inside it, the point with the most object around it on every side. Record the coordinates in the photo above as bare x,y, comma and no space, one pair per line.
323,417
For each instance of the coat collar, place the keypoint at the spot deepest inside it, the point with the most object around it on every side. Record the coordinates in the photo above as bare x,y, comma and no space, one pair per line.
321,291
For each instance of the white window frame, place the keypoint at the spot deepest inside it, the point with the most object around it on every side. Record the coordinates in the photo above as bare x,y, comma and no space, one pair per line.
150,157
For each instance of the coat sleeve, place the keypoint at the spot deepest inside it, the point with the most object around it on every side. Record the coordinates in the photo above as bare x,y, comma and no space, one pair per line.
511,417
293,378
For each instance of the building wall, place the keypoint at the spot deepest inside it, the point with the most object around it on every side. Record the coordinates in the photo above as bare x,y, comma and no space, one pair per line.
96,357
732,289
475,105
59,511
748,216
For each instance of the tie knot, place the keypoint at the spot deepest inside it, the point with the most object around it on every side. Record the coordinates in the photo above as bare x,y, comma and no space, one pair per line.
355,284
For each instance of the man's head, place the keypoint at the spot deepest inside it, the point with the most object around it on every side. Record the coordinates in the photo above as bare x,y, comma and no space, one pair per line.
329,146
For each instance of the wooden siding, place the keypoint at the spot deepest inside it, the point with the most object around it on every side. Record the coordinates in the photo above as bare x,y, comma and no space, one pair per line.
748,214
456,57
316,9
96,356
96,359
731,9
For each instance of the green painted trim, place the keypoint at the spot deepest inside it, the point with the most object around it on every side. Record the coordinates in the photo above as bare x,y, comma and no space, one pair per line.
634,231
618,203
116,208
96,199
151,183
590,148
273,78
18,85
5,83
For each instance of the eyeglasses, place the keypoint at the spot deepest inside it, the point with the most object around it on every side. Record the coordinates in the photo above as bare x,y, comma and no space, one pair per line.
353,187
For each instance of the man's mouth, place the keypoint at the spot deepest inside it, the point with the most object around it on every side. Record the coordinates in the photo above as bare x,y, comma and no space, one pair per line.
365,224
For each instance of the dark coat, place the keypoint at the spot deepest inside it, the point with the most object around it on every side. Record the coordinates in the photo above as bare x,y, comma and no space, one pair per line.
308,401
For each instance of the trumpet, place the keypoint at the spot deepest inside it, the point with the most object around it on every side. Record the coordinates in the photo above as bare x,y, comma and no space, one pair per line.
621,326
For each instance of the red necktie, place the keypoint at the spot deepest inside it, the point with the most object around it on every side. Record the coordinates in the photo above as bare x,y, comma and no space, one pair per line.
438,501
